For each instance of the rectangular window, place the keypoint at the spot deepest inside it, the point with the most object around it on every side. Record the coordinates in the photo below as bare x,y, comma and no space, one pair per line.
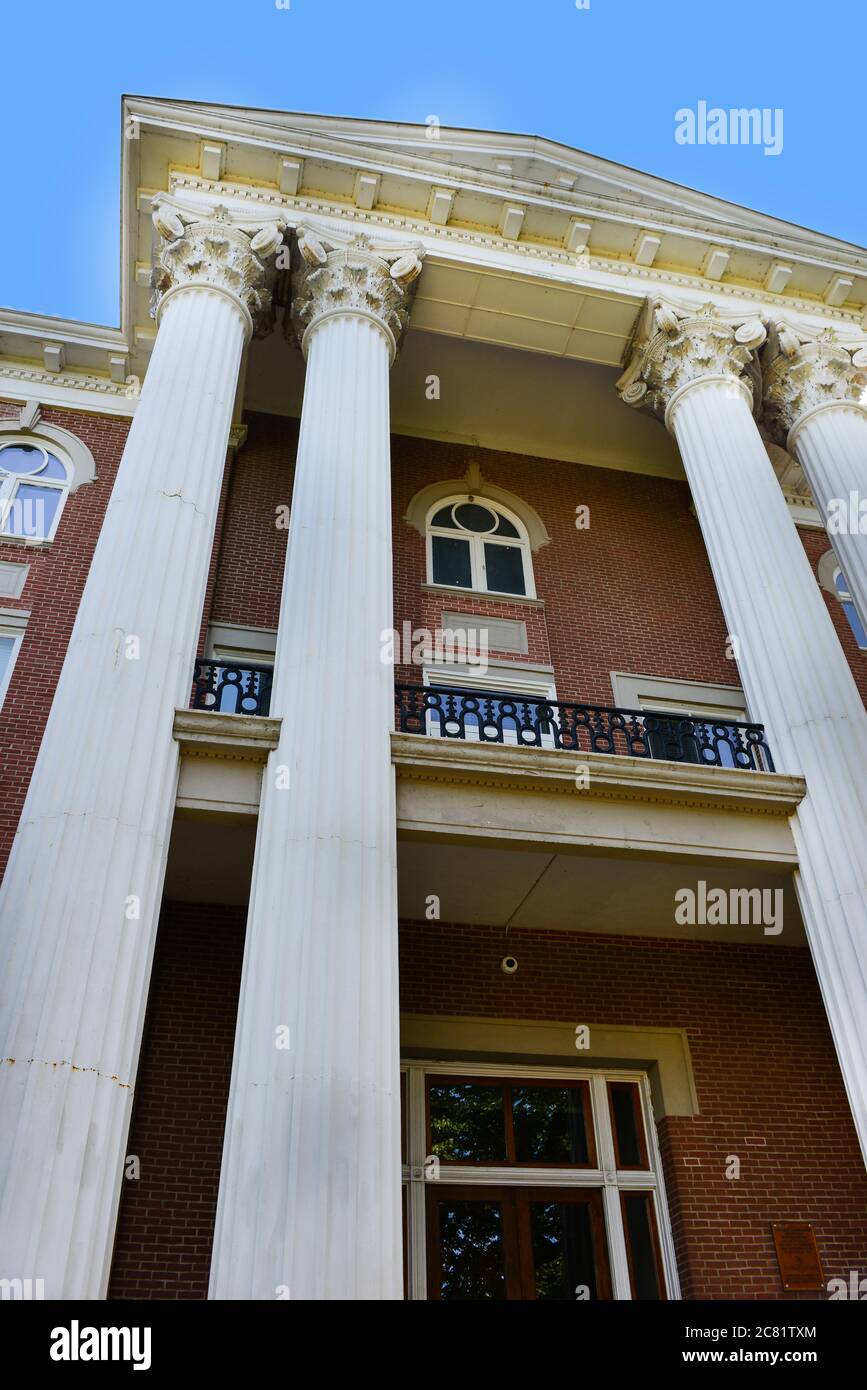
535,1184
11,637
642,1245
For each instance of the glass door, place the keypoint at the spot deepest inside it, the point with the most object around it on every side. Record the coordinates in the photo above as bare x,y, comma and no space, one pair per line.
507,1243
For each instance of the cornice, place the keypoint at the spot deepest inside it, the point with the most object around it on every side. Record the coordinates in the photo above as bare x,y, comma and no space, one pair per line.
234,737
297,207
612,777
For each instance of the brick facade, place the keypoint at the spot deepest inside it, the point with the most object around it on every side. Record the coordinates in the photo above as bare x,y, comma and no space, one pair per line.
52,593
769,1089
166,1225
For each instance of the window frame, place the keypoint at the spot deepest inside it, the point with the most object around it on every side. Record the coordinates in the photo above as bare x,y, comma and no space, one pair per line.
10,483
846,601
477,542
12,625
612,1181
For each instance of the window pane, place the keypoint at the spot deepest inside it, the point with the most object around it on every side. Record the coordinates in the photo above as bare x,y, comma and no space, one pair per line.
505,568
467,1123
506,528
563,1250
475,518
21,458
32,510
54,469
444,518
7,647
855,622
451,561
640,1235
471,1250
624,1111
549,1125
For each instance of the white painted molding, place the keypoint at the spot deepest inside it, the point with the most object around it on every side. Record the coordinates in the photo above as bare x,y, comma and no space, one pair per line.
69,448
473,483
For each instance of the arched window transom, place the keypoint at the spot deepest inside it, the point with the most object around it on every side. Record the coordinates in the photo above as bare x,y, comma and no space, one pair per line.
34,483
477,544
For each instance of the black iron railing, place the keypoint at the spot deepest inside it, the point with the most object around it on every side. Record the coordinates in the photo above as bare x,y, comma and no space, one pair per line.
501,717
227,688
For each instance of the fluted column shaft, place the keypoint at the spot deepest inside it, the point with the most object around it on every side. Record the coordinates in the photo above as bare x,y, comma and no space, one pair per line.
813,384
80,900
797,681
830,443
309,1204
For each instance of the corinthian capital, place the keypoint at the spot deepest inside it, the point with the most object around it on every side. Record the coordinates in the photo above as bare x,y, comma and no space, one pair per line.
353,274
803,371
209,247
673,347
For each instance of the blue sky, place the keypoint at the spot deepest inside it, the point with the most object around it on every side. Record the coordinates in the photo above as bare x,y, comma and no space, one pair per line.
607,79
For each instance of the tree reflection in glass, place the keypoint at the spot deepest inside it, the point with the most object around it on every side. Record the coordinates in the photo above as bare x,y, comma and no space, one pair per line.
549,1125
466,1123
471,1251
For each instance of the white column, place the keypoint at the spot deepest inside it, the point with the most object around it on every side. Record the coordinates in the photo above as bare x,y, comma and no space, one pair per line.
812,394
693,369
309,1204
81,896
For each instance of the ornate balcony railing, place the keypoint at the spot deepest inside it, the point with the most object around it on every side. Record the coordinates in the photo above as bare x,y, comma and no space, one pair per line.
500,717
227,688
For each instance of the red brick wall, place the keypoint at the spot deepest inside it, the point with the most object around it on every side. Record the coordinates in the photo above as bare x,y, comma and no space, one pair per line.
633,592
166,1224
769,1087
52,593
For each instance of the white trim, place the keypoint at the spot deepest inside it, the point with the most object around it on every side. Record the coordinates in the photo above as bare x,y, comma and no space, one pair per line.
11,482
605,1177
701,699
253,643
477,542
507,677
827,571
14,629
71,451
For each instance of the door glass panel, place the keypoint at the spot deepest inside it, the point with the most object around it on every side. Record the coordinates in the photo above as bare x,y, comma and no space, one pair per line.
549,1124
451,561
641,1241
562,1235
504,565
625,1113
472,1256
467,1123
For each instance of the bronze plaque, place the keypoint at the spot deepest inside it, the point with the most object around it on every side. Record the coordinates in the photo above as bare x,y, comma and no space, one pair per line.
797,1255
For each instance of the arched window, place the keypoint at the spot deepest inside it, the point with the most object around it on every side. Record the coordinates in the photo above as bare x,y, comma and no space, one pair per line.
34,483
474,543
848,605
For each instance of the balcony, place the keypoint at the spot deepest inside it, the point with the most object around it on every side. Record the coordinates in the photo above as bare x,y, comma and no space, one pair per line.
500,717
225,688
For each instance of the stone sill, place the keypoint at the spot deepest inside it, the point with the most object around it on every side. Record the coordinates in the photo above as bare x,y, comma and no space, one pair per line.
244,737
